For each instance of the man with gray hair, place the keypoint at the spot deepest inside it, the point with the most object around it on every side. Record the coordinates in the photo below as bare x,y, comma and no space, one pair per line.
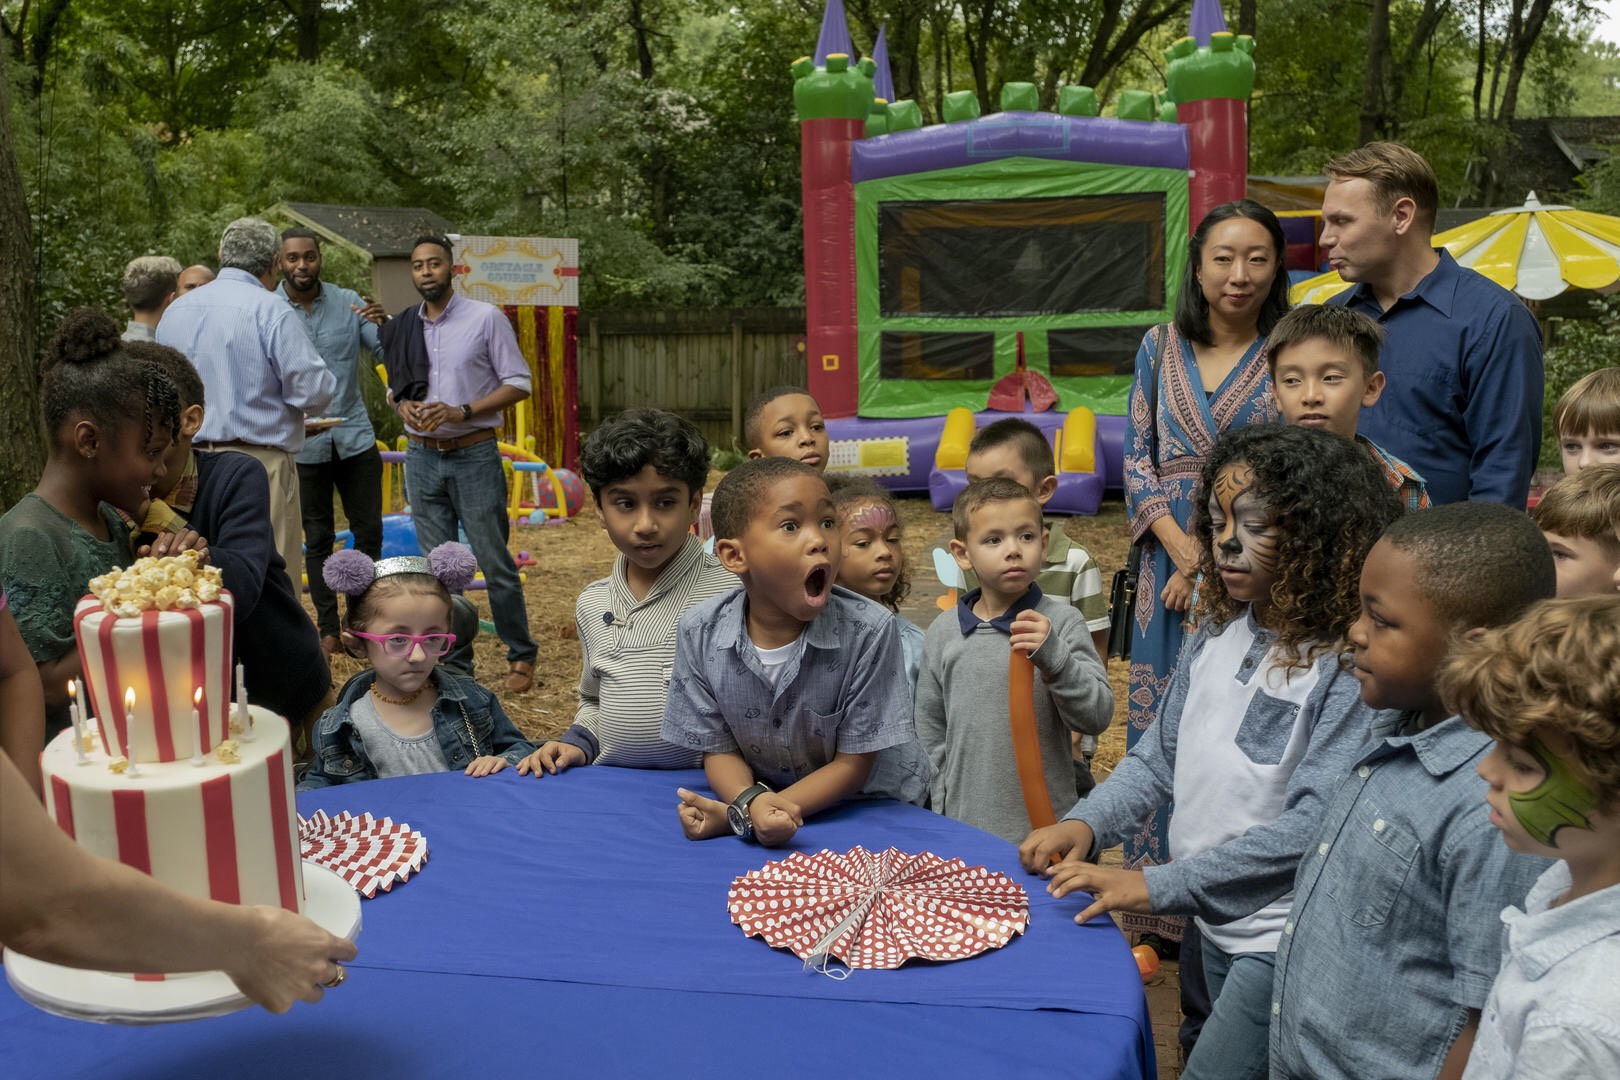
259,369
150,285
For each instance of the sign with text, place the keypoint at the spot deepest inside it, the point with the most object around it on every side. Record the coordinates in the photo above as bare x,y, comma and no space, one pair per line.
514,270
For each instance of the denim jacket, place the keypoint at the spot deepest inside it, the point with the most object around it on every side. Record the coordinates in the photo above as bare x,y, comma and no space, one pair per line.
467,719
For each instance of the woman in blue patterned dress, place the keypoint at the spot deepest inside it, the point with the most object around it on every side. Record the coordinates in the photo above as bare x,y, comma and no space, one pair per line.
1211,377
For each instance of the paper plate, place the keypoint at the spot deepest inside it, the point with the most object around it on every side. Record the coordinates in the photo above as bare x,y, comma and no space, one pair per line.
367,852
878,910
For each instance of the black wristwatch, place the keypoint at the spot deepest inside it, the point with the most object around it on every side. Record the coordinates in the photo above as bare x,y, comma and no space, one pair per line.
737,815
466,412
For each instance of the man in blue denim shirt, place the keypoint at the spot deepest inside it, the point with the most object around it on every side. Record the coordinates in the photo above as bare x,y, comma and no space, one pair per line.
1393,940
343,459
1462,354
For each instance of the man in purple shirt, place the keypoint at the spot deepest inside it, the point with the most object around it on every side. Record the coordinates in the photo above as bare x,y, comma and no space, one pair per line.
453,470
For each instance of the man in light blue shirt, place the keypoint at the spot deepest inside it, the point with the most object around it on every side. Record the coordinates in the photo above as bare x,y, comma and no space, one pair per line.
258,366
343,459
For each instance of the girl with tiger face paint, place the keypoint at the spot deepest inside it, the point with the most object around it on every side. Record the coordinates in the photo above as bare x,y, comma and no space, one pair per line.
1244,538
1260,720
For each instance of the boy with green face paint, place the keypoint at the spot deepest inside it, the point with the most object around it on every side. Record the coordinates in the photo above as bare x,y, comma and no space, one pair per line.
1547,689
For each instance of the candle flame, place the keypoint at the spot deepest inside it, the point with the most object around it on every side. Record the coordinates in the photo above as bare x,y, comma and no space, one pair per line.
129,697
73,689
196,697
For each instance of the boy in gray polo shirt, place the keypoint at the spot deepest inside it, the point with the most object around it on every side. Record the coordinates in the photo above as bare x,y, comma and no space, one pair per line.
790,686
1393,939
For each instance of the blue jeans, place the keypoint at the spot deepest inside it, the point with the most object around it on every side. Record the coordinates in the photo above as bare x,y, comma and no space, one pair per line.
469,486
1235,1043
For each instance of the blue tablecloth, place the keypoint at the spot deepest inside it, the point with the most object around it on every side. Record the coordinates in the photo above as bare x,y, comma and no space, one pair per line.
565,924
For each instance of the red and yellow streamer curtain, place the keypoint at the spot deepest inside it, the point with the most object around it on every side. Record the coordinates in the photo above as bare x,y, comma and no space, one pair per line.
549,340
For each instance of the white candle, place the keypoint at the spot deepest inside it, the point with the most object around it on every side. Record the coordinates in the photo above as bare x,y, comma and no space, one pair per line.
77,716
197,725
242,713
129,730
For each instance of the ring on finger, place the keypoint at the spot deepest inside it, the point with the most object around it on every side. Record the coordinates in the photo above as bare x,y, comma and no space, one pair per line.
337,979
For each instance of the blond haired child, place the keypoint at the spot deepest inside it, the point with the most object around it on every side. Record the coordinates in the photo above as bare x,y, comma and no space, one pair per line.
1547,689
1580,517
1587,420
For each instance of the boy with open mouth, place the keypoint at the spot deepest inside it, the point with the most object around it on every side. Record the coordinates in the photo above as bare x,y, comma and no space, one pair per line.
790,686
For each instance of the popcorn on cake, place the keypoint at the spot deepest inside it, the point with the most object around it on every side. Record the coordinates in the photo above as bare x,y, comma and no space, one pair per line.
171,583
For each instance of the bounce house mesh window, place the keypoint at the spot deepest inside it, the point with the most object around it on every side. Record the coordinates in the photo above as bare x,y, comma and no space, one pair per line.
906,355
1093,350
1008,257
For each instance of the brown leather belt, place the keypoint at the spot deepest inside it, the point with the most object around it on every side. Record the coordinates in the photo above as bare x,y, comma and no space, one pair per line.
443,445
237,444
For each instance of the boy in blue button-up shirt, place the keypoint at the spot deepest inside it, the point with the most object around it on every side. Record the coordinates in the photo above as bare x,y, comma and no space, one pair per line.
1392,942
790,686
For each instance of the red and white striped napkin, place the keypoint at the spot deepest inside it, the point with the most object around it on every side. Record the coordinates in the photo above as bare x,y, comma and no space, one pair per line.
368,853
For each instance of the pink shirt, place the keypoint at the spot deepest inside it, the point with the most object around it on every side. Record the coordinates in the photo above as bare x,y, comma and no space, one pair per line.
472,351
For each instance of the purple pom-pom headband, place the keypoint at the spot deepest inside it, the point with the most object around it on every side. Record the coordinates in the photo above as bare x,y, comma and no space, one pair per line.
352,572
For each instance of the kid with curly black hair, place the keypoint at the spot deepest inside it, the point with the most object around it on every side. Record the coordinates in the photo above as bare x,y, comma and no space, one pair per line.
1260,722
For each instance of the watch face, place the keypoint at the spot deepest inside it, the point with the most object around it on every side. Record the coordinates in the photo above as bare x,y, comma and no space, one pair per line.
739,822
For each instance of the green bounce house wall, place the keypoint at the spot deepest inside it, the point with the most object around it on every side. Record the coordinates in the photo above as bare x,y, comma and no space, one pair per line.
953,264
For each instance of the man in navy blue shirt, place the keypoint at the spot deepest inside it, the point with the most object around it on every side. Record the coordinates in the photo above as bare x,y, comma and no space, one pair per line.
1462,354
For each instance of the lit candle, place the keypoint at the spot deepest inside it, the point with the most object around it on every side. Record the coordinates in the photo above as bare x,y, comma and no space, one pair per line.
197,725
77,716
129,730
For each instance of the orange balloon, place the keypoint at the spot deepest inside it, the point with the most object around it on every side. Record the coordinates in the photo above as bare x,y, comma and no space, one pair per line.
1147,961
1026,744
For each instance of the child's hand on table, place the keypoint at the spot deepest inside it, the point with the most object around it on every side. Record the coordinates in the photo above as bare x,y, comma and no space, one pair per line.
552,757
702,818
484,766
1111,889
1029,630
776,818
1069,841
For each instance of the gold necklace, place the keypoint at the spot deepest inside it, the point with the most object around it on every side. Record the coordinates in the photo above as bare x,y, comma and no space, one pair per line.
406,700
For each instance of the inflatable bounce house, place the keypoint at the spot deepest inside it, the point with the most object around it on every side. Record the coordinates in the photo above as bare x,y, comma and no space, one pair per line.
1003,265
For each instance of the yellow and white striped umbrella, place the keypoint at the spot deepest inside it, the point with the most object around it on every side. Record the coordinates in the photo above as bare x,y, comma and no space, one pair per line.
1537,251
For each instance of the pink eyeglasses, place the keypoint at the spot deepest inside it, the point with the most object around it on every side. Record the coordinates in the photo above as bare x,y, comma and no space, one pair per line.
400,645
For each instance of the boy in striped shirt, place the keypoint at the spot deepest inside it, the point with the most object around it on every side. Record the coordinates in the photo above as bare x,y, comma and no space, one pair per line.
646,469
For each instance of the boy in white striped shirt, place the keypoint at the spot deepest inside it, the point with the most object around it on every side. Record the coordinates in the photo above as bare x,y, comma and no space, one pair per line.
646,469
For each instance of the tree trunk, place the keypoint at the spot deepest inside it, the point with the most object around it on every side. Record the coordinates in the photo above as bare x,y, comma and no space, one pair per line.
1112,43
1372,85
20,431
977,40
1246,16
1519,48
307,19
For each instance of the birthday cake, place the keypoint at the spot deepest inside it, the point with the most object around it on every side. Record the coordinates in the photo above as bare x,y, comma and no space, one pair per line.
173,780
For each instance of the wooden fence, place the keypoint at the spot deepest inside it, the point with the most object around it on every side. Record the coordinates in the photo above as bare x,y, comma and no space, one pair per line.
705,365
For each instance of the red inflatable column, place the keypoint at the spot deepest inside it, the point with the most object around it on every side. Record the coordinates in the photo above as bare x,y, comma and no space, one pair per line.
832,103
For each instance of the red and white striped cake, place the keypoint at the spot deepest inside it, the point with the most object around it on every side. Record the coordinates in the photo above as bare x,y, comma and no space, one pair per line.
164,657
214,830
204,810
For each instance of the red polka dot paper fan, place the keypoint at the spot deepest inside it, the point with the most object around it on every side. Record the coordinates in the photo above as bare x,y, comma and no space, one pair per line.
368,853
878,910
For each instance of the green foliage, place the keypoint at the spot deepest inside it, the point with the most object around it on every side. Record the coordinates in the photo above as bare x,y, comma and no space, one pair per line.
1579,347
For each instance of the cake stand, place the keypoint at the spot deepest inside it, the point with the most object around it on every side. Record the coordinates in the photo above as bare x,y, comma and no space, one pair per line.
110,998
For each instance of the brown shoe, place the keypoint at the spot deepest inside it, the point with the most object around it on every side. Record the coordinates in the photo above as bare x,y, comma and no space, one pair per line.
521,676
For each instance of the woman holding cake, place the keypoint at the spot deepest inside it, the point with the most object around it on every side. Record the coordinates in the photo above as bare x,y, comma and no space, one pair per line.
66,906
109,418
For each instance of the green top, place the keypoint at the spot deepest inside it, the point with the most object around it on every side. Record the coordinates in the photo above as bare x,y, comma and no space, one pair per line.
1222,69
834,92
46,562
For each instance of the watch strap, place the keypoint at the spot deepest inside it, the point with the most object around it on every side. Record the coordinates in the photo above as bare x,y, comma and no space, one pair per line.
466,412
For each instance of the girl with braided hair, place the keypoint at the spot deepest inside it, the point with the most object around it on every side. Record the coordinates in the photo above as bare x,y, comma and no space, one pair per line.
109,418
